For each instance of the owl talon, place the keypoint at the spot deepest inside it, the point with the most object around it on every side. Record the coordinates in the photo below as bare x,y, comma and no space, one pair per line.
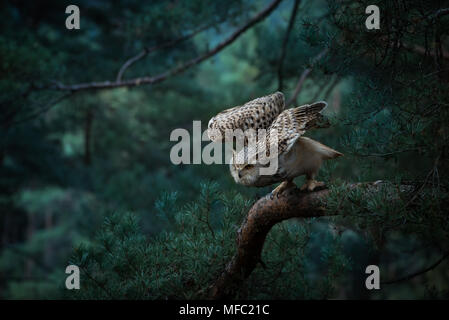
310,185
281,188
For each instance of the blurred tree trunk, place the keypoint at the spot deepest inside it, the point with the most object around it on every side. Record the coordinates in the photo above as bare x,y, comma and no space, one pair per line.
48,252
29,263
87,136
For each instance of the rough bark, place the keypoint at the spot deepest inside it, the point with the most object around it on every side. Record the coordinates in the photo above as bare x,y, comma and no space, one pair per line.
263,215
176,70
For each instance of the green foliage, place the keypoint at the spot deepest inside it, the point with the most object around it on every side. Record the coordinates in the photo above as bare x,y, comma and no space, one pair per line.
64,163
175,263
186,257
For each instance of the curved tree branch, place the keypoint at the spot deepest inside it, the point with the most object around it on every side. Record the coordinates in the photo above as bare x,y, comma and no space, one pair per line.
147,51
303,77
418,273
285,42
176,70
264,214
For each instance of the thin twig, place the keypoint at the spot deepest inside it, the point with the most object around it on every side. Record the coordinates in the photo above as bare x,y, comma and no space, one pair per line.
331,87
424,183
382,154
304,75
147,51
176,70
45,108
299,85
439,13
285,42
418,273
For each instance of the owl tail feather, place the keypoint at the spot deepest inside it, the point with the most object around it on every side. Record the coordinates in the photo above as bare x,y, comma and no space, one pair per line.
332,154
325,151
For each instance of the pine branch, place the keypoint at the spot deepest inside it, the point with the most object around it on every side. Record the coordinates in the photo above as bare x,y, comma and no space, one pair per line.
423,51
440,13
303,77
418,273
147,51
176,70
44,108
285,42
264,214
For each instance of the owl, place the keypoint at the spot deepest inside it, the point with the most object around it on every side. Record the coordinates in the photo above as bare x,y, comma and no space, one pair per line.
296,155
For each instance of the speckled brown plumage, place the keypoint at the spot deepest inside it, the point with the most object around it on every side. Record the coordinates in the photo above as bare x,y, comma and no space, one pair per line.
255,114
293,123
283,132
282,149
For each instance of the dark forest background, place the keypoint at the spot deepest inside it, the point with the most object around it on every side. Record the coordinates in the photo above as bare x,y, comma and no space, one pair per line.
85,121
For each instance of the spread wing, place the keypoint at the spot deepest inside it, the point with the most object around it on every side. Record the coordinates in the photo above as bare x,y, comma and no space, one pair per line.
284,131
293,123
255,114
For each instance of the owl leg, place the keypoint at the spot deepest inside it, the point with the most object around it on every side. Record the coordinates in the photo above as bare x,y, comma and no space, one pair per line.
311,183
288,184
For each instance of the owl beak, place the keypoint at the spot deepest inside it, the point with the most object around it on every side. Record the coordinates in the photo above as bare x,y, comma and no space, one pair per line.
240,174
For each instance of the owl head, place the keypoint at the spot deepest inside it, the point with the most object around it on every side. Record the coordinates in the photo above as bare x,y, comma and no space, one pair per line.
246,174
244,169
